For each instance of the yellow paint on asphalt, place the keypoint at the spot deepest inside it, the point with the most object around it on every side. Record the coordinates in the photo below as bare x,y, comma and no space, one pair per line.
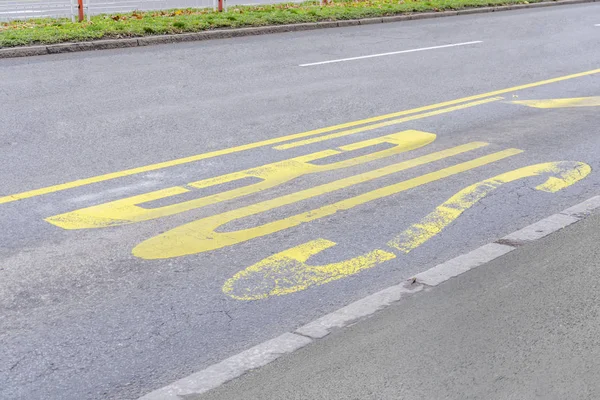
567,173
200,236
593,101
384,124
287,272
126,211
269,142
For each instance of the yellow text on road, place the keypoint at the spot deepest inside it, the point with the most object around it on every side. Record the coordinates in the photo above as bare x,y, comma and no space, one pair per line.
128,210
200,236
289,271
566,173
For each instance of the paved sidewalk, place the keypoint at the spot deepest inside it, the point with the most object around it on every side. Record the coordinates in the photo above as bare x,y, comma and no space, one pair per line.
525,326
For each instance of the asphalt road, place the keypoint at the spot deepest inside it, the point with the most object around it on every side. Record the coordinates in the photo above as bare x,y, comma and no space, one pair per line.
523,326
123,301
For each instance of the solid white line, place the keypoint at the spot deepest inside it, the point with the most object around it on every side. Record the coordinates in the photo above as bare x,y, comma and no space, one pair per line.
390,53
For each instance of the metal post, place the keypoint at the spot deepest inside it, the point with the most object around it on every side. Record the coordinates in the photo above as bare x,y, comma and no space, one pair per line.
80,2
220,6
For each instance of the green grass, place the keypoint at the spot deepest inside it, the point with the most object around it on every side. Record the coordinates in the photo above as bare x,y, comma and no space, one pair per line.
48,31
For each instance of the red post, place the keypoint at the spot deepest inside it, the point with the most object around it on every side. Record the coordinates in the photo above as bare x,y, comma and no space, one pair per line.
220,5
80,2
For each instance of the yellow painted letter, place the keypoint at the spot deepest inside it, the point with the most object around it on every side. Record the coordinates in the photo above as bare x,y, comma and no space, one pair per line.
567,173
287,272
201,235
126,211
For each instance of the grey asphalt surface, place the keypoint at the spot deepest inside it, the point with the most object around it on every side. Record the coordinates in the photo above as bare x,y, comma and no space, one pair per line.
82,318
524,326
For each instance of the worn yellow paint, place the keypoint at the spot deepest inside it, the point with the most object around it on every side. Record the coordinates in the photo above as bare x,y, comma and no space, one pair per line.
125,211
593,101
288,271
200,236
269,142
384,124
567,173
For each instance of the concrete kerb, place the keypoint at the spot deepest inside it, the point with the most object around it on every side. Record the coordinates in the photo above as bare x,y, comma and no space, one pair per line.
266,352
369,21
231,33
231,368
350,22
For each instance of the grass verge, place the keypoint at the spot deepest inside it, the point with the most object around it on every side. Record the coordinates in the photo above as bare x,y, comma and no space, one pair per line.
137,24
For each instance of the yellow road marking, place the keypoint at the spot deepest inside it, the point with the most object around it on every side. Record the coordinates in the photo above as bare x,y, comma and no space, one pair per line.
561,103
200,236
231,150
384,124
568,173
125,211
287,272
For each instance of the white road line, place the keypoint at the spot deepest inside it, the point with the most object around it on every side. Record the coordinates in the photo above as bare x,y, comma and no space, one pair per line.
597,25
390,53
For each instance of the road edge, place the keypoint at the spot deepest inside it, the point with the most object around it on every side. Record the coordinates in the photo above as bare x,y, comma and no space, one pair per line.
239,32
268,351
